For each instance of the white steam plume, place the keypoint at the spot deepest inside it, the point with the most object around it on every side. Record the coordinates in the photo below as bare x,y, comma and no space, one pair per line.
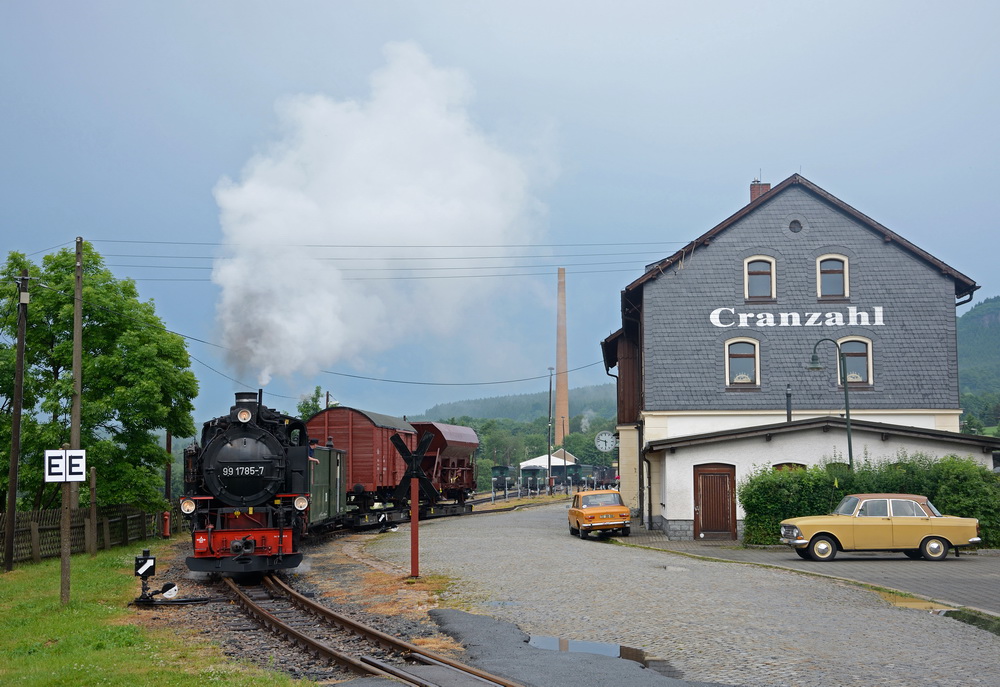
405,167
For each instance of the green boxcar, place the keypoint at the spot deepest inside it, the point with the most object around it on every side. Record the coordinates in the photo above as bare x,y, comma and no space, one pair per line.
329,477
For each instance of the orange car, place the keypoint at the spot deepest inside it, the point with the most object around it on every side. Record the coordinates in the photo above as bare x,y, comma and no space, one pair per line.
880,522
599,511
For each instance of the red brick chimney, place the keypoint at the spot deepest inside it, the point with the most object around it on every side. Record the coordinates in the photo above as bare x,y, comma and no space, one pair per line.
757,189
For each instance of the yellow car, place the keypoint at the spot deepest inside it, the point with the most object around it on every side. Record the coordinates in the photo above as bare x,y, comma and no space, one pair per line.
599,511
880,522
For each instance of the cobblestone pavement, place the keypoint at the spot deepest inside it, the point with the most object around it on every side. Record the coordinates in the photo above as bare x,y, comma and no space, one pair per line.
972,580
713,621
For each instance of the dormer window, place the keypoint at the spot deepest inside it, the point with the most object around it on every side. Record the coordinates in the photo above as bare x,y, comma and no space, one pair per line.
759,278
832,277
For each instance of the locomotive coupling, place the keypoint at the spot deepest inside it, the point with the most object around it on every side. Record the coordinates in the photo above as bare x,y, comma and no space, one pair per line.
242,547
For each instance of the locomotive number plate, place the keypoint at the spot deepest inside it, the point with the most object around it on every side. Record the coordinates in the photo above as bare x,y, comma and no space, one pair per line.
243,471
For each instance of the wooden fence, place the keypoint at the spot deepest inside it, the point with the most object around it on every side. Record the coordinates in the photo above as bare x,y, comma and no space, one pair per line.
37,533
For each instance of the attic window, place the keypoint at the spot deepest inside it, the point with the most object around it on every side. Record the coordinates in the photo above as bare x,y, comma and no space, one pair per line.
795,226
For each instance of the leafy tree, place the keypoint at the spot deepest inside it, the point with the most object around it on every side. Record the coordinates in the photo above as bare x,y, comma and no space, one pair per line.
136,380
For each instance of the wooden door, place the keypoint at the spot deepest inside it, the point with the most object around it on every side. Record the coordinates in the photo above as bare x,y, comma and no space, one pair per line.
714,501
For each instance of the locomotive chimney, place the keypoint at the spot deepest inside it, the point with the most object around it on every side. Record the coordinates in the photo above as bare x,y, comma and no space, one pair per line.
246,399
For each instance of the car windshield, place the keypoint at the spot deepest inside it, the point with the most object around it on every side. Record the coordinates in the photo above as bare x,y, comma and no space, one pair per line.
934,510
846,506
612,499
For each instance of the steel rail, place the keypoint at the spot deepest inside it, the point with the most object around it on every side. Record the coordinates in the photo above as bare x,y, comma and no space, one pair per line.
270,621
383,639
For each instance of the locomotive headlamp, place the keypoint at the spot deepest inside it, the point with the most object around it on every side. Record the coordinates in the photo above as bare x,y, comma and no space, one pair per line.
243,415
187,506
301,503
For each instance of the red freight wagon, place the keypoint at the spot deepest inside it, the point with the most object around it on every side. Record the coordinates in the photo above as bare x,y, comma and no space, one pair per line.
374,466
448,461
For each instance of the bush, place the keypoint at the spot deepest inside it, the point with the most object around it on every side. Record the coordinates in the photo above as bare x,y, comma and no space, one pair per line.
956,486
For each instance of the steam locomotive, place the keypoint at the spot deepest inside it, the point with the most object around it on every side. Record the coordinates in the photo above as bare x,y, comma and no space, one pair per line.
256,483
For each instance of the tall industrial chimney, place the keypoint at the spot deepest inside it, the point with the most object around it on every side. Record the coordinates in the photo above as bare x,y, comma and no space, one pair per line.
561,416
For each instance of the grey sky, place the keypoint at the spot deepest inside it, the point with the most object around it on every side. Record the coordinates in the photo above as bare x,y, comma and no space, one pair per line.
633,122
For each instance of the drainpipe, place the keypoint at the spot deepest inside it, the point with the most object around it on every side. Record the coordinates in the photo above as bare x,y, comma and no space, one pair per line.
649,495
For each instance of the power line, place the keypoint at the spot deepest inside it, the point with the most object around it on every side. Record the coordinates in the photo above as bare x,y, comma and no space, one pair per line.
505,381
330,372
376,245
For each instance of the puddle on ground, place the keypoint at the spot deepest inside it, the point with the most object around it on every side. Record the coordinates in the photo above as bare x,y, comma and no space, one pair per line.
914,603
580,646
603,649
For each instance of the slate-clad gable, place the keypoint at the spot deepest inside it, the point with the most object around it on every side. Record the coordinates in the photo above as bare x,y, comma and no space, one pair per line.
913,350
689,432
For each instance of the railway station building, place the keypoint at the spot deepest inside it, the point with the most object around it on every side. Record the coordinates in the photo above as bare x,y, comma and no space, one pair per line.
715,341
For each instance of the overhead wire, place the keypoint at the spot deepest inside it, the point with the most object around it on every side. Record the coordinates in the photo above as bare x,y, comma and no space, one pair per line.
330,372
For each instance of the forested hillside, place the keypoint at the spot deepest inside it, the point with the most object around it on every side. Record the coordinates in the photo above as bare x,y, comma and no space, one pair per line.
589,401
979,348
979,365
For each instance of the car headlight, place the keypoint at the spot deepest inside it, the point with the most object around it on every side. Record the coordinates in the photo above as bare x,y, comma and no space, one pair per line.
187,506
301,503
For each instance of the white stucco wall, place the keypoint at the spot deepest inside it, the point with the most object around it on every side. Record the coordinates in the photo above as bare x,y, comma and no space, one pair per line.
667,424
807,447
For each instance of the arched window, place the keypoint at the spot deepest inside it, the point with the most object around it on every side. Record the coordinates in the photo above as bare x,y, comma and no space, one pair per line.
759,278
832,277
742,362
857,359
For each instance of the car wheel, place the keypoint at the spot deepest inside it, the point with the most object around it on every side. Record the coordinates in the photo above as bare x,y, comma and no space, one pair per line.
822,548
913,554
583,533
803,553
934,549
572,530
626,531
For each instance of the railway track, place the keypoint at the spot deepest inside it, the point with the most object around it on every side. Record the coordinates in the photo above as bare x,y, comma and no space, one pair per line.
348,643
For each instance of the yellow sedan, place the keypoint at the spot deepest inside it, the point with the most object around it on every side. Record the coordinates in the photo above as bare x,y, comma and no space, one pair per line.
880,522
599,511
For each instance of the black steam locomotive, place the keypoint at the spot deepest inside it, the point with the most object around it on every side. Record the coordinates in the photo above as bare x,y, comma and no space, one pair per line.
247,488
256,484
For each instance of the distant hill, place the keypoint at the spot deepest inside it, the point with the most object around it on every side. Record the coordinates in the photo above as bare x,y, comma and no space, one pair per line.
979,348
593,401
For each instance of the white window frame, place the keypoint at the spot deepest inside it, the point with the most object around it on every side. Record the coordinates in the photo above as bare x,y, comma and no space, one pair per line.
847,276
746,277
756,362
871,368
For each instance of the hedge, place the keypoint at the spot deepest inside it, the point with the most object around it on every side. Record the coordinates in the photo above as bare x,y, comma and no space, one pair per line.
956,486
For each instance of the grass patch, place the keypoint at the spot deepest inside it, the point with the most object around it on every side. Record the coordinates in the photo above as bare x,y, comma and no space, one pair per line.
981,620
97,639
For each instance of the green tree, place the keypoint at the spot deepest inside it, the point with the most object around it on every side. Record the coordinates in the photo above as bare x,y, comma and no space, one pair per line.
310,405
136,380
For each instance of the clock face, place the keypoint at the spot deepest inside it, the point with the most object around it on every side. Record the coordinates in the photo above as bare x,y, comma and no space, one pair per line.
605,441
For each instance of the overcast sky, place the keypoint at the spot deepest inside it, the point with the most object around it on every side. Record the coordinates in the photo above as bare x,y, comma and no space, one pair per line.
264,170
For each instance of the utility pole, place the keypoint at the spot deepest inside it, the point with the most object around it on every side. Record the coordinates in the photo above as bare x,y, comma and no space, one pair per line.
15,432
74,423
548,475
